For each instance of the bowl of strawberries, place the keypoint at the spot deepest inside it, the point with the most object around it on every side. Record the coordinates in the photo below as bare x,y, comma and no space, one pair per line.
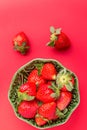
44,93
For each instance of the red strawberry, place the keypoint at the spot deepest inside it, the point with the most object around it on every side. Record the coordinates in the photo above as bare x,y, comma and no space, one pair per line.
20,42
47,93
48,110
64,100
48,71
28,109
35,78
40,121
29,88
65,80
26,92
58,39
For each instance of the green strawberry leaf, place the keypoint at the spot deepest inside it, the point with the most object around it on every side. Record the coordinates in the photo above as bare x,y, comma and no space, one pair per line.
16,46
59,113
63,71
25,96
39,68
51,43
54,95
55,89
58,92
69,86
65,111
52,29
58,31
60,86
23,49
24,44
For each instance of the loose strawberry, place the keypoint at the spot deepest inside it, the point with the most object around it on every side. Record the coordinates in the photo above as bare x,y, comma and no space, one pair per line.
48,110
40,121
65,80
48,71
35,78
20,42
64,100
28,109
47,92
58,39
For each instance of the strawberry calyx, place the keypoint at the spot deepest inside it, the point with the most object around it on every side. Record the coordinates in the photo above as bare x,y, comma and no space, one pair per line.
20,43
21,48
64,79
24,96
56,90
59,113
54,36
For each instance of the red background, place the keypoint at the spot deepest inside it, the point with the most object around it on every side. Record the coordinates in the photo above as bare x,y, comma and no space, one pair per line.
34,17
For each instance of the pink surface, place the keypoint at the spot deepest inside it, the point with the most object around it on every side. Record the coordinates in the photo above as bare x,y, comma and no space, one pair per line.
34,17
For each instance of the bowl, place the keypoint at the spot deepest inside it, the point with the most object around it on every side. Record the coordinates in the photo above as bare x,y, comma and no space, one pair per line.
21,76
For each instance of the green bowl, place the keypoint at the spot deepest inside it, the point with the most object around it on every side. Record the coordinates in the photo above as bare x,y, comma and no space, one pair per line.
21,76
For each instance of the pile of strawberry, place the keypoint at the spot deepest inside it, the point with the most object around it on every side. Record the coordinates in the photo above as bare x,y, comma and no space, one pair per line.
46,94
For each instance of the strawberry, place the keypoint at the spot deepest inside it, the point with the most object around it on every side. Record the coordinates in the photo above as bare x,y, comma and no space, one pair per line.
65,80
40,121
58,39
28,109
64,100
48,110
26,92
48,71
47,92
29,88
20,42
35,78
